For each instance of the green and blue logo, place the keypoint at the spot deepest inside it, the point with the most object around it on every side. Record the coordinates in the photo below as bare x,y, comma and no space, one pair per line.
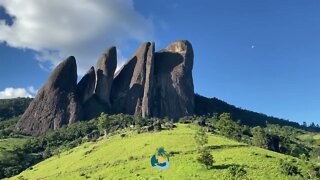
160,159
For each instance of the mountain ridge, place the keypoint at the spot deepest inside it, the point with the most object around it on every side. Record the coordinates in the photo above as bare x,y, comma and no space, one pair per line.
219,106
205,105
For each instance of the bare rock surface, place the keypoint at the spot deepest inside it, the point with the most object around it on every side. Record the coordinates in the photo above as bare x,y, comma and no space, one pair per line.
105,69
56,103
86,86
131,88
150,84
174,91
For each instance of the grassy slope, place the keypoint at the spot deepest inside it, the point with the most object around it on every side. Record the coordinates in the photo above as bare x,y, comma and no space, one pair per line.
314,136
129,157
310,139
9,144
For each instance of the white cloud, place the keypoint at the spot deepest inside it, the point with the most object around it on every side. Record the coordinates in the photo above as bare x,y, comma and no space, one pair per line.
11,92
83,28
32,90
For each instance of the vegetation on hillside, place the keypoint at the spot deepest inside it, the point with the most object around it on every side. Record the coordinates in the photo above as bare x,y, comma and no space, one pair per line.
126,154
35,149
206,106
18,152
13,107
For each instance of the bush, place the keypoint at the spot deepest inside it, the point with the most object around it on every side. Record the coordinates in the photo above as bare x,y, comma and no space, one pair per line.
315,155
313,172
186,120
289,168
237,172
206,158
201,138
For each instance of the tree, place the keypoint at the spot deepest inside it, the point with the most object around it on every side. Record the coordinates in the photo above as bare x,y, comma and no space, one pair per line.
201,138
103,123
304,124
312,125
211,121
206,158
259,137
229,128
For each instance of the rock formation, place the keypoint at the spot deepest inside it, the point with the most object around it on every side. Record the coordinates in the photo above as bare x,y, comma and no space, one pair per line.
131,90
174,92
150,84
56,103
101,82
106,66
86,86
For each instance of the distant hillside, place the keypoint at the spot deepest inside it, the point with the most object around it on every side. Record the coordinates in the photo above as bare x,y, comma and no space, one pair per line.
204,105
13,107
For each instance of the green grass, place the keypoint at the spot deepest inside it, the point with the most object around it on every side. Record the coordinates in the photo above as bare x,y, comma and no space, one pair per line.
315,136
310,139
9,144
129,157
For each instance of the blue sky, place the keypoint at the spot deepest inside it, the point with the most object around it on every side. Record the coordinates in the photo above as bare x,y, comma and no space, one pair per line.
259,55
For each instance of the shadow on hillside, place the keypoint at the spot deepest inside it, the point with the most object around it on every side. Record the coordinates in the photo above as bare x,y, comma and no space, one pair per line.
226,146
225,166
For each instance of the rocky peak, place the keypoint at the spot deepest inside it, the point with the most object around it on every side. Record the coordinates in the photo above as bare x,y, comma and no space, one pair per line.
174,95
56,102
150,84
86,86
129,83
105,67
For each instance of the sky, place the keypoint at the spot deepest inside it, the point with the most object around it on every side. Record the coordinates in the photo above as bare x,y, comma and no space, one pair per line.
259,55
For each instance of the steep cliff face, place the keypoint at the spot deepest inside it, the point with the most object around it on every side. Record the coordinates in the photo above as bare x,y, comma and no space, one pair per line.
131,90
86,86
56,103
100,85
106,67
174,92
157,84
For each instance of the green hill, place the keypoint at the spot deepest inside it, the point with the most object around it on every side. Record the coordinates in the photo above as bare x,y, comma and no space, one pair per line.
13,107
204,106
127,155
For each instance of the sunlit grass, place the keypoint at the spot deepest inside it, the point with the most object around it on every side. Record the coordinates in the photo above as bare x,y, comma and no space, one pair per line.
127,157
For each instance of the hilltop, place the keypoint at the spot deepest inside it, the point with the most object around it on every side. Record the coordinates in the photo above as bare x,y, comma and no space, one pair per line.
126,154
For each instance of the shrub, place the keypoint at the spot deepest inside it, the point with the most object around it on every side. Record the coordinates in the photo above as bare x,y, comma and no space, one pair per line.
206,158
313,172
201,138
237,172
289,168
186,120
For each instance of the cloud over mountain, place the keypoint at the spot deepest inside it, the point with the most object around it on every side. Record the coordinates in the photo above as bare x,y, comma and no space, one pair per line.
83,28
11,92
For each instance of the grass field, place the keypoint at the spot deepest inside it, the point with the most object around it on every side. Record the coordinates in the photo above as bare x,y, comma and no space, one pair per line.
9,144
127,157
310,139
